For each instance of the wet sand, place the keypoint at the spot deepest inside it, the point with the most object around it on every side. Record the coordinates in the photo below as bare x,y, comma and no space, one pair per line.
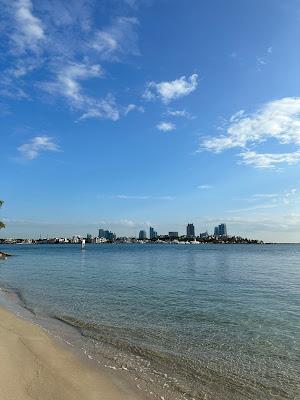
34,366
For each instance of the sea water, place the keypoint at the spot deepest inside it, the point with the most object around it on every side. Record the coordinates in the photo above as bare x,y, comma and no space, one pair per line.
181,321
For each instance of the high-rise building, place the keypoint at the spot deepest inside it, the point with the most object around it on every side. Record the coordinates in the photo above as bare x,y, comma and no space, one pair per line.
142,235
106,234
110,235
190,231
152,233
173,235
101,233
222,230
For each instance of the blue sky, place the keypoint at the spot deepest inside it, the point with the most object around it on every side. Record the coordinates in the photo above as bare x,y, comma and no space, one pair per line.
124,113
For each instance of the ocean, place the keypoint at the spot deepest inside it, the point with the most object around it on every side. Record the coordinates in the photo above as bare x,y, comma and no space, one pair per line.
179,321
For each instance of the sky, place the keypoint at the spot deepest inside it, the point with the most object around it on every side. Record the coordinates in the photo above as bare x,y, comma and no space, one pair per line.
122,114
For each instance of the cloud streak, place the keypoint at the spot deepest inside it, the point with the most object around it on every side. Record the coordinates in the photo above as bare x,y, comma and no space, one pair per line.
29,30
36,145
117,40
180,113
269,160
136,197
205,187
68,85
279,120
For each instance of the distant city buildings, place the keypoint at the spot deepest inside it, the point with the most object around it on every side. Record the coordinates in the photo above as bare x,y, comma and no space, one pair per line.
190,231
203,235
101,233
152,233
220,230
142,235
220,235
173,235
106,234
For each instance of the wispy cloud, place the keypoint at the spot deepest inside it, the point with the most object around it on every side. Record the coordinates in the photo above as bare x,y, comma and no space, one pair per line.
205,187
68,85
28,29
254,208
171,90
269,160
117,40
136,197
265,195
261,61
180,113
61,40
166,126
68,81
270,200
289,196
279,120
36,145
132,107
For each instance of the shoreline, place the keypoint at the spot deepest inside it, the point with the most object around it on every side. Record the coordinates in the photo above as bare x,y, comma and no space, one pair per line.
36,366
126,369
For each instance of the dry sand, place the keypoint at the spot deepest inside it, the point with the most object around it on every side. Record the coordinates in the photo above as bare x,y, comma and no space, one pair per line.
35,366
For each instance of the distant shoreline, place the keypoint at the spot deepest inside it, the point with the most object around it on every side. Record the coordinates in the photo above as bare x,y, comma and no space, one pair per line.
134,241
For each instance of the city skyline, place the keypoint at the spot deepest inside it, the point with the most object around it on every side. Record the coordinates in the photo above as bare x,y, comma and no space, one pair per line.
131,114
146,233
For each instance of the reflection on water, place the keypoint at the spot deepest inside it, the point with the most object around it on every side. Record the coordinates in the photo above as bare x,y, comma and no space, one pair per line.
209,321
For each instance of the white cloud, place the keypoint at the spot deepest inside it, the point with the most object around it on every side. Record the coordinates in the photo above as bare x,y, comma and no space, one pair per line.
68,84
36,145
116,40
286,197
265,195
279,200
254,208
50,38
140,197
269,160
180,113
289,196
205,187
135,197
100,108
166,126
133,107
168,91
279,120
69,77
28,30
261,61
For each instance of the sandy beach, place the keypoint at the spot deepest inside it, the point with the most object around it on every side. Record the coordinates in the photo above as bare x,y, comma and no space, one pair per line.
34,366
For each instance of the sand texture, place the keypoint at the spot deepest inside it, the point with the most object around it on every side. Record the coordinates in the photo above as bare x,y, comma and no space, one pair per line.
34,366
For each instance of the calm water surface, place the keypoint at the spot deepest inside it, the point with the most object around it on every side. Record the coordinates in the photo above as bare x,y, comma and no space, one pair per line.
184,322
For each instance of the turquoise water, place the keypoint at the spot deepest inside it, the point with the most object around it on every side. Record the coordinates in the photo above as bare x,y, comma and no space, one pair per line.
184,322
